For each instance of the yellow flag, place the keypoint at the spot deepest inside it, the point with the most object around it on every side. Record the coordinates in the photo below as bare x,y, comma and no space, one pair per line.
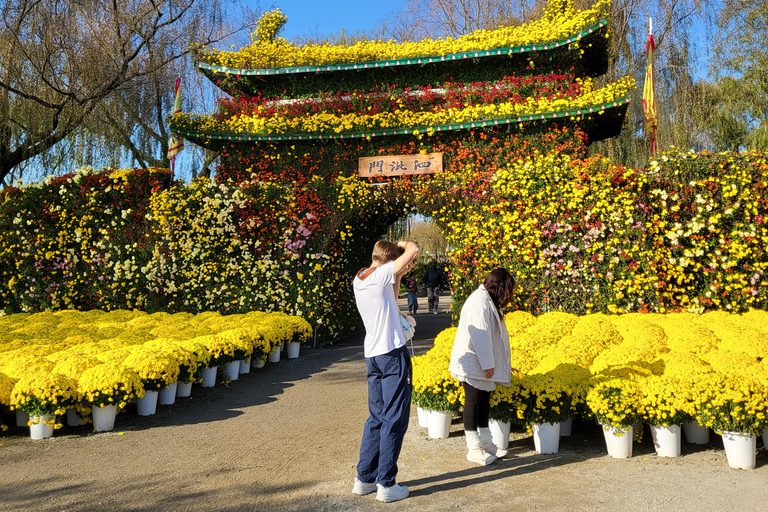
649,98
176,143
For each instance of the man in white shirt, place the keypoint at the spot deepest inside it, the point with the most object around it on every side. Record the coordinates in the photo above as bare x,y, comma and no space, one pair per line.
388,365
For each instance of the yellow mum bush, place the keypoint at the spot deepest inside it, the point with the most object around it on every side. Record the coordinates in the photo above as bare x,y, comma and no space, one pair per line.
44,393
156,368
109,384
6,386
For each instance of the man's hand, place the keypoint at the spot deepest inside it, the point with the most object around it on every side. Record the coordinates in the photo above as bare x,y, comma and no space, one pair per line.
489,373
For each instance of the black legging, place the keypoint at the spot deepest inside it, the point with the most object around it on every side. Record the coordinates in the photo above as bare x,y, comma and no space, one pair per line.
477,407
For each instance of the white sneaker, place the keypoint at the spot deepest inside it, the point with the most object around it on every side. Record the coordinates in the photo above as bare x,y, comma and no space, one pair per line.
480,457
361,488
435,312
389,494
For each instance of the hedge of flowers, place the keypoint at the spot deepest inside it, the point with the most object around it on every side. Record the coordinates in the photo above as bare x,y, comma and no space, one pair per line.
661,369
560,20
688,232
50,362
129,239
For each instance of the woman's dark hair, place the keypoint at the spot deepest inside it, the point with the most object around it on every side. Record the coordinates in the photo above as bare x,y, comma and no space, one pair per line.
500,286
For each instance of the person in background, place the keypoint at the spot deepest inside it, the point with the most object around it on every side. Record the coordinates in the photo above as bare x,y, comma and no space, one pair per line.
481,358
433,278
388,366
413,299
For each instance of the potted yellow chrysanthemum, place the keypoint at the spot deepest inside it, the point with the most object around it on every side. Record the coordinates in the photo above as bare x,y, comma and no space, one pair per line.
43,395
105,388
157,370
221,351
615,403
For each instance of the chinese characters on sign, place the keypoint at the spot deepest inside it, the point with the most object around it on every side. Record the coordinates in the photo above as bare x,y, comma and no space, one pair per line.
399,165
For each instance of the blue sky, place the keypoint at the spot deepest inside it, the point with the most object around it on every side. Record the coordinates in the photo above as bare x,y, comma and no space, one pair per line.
326,17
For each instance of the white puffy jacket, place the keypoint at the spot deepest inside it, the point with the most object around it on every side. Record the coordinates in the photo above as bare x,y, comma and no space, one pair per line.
482,342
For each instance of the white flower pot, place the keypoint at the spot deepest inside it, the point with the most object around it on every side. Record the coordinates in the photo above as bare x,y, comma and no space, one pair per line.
245,366
258,363
293,350
422,415
183,389
566,427
666,440
233,370
740,449
147,405
22,418
500,433
546,437
439,424
618,441
104,418
695,433
209,377
39,429
168,394
73,419
274,357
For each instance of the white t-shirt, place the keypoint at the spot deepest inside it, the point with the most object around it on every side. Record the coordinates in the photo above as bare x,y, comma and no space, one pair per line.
377,304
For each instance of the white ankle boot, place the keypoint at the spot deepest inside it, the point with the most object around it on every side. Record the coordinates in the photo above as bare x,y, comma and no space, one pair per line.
475,453
486,443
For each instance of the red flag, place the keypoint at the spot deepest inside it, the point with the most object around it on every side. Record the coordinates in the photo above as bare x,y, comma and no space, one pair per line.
649,98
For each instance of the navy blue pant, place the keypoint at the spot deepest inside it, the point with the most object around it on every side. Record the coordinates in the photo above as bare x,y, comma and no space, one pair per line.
389,407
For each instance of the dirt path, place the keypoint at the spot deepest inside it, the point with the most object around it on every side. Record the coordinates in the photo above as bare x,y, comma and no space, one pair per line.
286,438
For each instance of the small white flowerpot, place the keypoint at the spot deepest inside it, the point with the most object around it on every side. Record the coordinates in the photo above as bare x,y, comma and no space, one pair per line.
233,370
500,433
566,427
39,429
245,366
274,357
104,418
168,394
258,363
695,433
423,417
740,449
183,389
439,424
618,441
546,437
73,419
293,350
666,440
147,404
209,377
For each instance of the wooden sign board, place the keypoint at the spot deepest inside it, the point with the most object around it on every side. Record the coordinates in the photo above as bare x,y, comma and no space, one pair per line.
399,165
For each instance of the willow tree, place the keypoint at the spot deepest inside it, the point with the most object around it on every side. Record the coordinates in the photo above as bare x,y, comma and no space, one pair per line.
92,68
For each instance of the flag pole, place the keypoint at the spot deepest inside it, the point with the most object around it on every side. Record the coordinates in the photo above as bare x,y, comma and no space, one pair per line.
176,143
649,97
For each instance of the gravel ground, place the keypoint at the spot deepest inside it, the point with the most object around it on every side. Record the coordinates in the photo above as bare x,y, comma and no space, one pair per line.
286,437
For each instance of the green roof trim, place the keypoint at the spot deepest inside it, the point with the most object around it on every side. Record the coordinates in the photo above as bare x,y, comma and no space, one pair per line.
401,62
191,135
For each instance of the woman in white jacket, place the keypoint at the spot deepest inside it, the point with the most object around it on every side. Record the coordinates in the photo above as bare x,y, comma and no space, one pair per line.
480,359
